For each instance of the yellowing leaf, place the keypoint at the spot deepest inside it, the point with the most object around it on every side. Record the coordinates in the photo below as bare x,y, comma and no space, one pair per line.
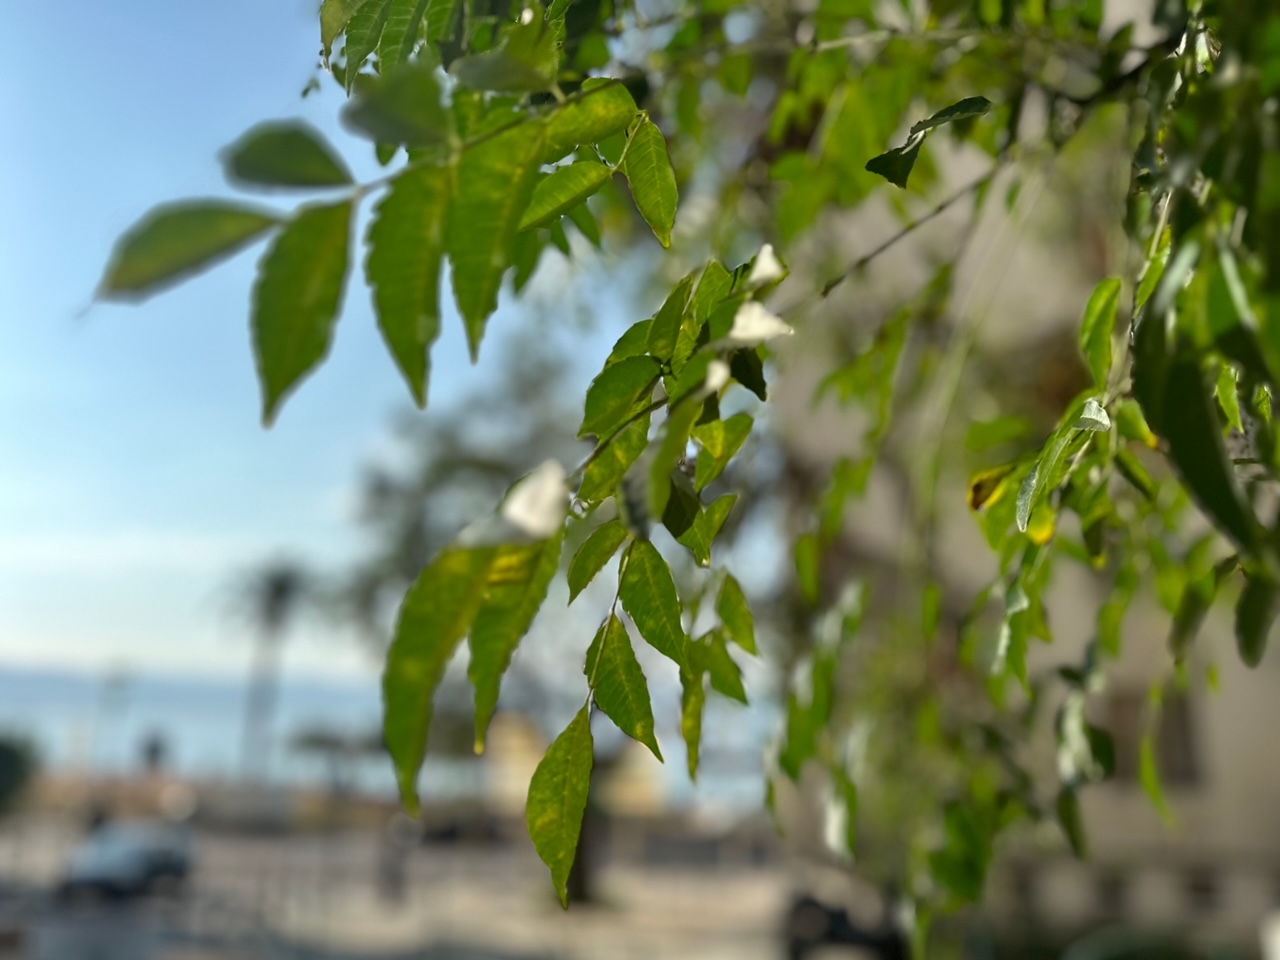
648,594
558,799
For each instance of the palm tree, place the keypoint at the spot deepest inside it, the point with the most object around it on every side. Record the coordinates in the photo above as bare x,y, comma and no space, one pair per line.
271,598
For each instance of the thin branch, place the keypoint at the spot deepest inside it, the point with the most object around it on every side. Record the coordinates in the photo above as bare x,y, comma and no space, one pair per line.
942,207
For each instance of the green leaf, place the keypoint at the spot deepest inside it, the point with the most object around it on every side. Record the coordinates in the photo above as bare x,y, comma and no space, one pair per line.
664,329
618,393
601,109
605,472
558,799
621,690
402,107
406,249
495,181
896,165
1196,448
748,369
726,678
720,440
1093,417
1072,821
334,15
1149,776
363,32
404,18
672,443
1255,613
297,297
647,166
1098,328
499,71
1039,479
560,191
1197,596
582,218
517,587
284,154
960,110
706,527
594,553
648,594
176,240
807,566
634,342
693,698
735,614
436,614
1229,397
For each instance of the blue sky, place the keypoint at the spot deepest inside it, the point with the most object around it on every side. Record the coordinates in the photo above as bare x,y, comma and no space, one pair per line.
135,478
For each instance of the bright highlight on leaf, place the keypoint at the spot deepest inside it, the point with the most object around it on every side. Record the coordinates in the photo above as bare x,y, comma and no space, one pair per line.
754,324
647,166
537,504
766,269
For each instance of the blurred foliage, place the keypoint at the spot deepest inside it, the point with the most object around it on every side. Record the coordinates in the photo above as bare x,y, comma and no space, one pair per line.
1148,458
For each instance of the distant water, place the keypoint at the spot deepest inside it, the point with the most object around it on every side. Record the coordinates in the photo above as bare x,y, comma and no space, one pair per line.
80,721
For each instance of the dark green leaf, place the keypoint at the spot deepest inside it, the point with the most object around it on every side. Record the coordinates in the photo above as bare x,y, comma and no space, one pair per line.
406,248
558,799
648,594
807,566
403,107
519,576
494,183
594,553
735,614
499,71
563,189
284,154
896,165
726,678
683,506
176,240
297,297
1255,613
1098,328
582,218
602,108
960,110
748,369
619,684
647,166
436,614
617,394
1072,821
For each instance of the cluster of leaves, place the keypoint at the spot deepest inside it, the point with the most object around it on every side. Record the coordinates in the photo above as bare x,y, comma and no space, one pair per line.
511,119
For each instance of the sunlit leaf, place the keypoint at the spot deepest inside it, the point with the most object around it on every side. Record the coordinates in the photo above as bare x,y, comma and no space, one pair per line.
647,166
664,329
519,576
494,183
720,440
735,614
621,690
1098,328
406,249
1093,417
436,614
600,109
606,471
334,15
564,188
284,154
594,553
648,594
725,675
617,394
558,799
404,19
297,297
364,30
176,240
